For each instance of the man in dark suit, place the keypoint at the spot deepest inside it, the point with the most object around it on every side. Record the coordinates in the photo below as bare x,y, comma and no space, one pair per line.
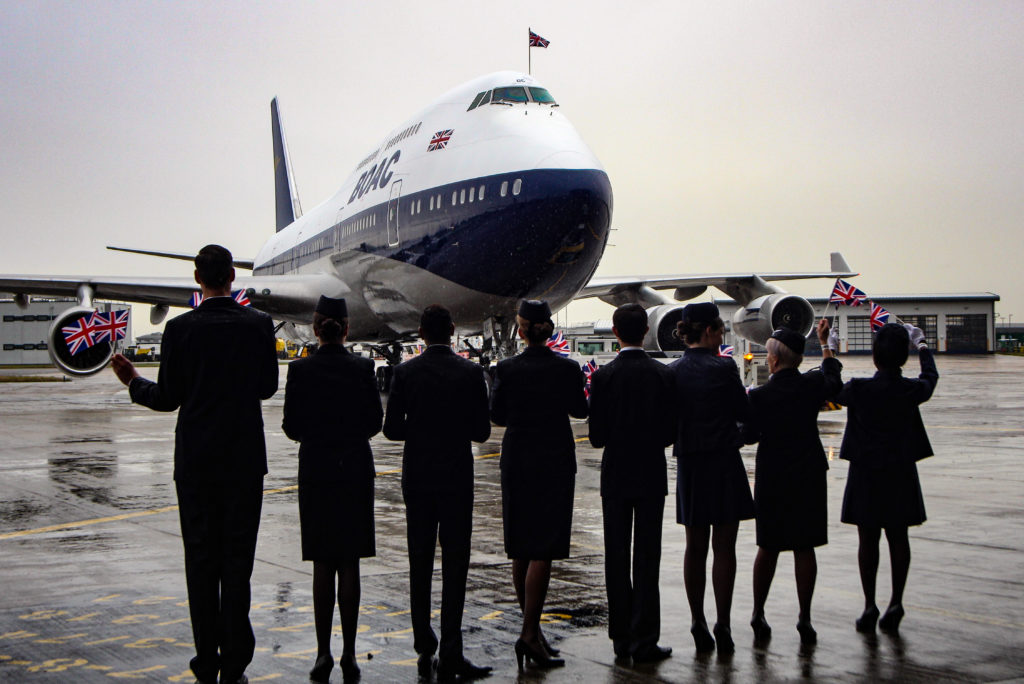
633,417
217,362
438,405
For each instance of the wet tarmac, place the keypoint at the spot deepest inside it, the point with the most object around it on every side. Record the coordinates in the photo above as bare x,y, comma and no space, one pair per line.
93,581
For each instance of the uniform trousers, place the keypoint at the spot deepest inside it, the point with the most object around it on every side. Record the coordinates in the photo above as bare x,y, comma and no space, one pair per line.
219,523
634,607
448,517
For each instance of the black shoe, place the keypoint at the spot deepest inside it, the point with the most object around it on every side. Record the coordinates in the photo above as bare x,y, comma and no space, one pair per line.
242,679
621,648
425,665
724,636
890,622
807,634
349,669
866,622
762,630
552,651
322,667
461,670
652,654
538,656
203,676
702,638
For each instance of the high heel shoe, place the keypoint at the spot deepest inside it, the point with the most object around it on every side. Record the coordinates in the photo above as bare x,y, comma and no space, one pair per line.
762,630
866,622
538,656
808,635
349,669
552,651
322,667
724,636
890,622
702,638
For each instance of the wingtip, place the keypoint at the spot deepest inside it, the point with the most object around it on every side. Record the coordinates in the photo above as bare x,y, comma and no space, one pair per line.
839,264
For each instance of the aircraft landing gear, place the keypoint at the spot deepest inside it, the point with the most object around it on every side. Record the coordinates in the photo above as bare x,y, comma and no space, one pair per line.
500,333
392,353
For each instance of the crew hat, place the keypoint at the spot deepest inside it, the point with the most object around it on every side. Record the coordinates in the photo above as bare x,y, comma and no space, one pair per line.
790,338
332,308
535,310
702,312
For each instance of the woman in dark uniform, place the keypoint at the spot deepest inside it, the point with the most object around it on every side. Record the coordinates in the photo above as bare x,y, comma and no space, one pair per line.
884,439
712,491
332,407
789,483
533,396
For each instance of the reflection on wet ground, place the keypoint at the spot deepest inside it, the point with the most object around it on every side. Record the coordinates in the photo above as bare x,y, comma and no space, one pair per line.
104,598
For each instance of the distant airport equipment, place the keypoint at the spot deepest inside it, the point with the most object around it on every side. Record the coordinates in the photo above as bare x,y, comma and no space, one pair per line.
487,196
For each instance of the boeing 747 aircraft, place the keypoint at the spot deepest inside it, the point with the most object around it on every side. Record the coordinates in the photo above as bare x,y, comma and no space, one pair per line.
485,197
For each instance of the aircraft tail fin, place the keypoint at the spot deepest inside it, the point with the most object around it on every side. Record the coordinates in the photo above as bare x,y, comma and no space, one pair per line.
286,195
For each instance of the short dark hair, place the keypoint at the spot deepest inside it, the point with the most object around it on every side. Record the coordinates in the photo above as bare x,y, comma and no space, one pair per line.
630,320
214,264
436,324
891,346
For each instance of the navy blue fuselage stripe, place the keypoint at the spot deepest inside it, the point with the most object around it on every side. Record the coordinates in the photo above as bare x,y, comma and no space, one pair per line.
551,235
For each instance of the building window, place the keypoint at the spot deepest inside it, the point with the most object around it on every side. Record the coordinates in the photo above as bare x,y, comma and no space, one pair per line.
928,325
858,333
517,186
967,333
504,188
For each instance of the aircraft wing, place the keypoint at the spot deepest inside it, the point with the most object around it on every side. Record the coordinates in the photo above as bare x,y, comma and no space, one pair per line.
288,297
743,287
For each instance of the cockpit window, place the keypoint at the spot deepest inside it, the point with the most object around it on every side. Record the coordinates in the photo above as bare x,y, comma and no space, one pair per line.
477,100
509,94
542,96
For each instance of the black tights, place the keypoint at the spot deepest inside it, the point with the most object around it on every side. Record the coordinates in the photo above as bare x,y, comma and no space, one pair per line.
723,568
806,568
347,573
899,559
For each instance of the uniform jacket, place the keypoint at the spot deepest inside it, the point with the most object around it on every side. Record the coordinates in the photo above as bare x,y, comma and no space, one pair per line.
438,405
884,421
784,418
217,362
633,417
533,396
332,406
711,401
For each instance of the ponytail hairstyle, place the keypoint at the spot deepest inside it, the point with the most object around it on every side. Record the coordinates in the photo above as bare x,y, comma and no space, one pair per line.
691,331
536,333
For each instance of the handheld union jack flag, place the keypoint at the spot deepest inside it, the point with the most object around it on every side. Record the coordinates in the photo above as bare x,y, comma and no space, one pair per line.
110,327
558,344
196,300
440,140
726,350
879,317
537,41
242,298
588,369
845,293
81,334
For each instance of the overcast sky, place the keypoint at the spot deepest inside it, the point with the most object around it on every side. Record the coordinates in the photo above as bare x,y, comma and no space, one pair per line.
737,135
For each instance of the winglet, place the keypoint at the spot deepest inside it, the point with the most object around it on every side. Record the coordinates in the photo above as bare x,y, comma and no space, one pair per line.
839,264
286,196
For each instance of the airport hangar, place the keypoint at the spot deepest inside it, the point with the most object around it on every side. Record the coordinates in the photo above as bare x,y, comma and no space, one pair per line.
959,323
953,323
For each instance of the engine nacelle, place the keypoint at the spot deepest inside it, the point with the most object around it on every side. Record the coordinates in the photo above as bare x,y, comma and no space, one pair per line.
760,318
661,323
87,361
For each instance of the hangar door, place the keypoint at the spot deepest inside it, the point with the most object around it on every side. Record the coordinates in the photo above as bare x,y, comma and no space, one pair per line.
967,333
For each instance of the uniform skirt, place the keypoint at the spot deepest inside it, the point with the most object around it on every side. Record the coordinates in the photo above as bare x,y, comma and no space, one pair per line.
792,509
883,497
336,519
712,489
537,515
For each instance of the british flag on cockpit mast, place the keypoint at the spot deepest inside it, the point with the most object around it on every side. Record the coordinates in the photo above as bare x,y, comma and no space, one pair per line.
440,140
111,326
726,350
559,344
81,334
537,41
879,317
845,293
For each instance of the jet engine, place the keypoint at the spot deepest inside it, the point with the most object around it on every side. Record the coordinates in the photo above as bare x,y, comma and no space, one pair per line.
757,320
87,361
661,323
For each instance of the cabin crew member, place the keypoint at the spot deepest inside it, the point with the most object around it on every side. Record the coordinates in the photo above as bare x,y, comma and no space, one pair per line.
438,405
789,483
884,439
217,362
633,417
332,407
533,396
712,491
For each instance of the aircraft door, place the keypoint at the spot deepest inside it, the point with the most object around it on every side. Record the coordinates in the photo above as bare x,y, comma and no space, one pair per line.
396,191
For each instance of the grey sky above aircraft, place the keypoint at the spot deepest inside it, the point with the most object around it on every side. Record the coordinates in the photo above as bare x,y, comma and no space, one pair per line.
485,197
